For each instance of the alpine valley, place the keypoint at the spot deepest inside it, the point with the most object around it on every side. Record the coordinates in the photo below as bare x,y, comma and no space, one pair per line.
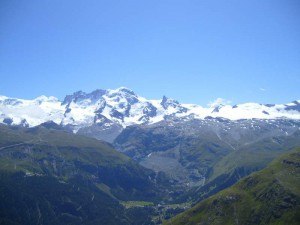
113,157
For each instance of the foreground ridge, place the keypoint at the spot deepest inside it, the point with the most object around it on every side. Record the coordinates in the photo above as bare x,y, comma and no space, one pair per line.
270,196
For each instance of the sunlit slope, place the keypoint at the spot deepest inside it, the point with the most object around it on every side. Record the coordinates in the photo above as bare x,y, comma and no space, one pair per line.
270,196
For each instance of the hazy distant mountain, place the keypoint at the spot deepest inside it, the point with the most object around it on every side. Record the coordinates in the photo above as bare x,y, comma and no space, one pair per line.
195,152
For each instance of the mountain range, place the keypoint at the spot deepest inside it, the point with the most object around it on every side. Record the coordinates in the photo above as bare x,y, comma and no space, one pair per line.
169,155
191,144
105,113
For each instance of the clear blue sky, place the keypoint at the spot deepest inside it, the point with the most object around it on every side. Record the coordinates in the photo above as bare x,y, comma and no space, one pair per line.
193,51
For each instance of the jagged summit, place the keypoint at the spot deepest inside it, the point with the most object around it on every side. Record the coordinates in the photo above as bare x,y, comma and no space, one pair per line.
168,102
80,96
122,107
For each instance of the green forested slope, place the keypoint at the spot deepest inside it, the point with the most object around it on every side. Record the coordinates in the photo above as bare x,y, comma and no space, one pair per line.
49,176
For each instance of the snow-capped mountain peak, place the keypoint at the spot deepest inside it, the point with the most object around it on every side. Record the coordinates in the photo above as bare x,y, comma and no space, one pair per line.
80,96
121,91
123,107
